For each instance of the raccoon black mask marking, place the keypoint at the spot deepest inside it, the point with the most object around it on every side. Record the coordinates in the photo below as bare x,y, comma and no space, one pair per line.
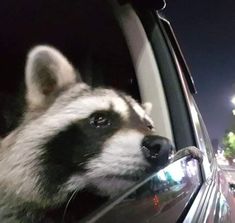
67,152
72,137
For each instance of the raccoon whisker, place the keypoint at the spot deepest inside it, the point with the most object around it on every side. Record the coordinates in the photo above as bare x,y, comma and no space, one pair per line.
67,205
88,154
85,155
81,164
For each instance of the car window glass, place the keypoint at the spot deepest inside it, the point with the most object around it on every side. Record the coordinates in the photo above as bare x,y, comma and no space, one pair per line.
163,197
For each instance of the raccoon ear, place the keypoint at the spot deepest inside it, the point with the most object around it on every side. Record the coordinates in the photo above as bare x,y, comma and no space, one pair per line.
147,107
47,71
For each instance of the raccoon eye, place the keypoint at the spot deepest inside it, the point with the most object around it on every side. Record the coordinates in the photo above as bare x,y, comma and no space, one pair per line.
99,120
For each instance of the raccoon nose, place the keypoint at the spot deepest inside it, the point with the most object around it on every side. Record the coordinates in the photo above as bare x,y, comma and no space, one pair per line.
156,149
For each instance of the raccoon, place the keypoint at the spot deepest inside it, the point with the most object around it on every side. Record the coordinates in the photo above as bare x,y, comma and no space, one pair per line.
72,137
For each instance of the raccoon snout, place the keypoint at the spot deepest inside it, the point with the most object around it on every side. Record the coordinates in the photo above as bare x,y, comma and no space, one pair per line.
156,150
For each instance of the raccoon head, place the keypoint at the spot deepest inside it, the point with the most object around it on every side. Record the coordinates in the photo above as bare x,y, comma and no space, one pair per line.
73,136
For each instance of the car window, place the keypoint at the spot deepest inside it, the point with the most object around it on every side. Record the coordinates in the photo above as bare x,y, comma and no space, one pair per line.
163,197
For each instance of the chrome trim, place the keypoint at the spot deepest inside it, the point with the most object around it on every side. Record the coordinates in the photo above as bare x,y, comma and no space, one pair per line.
195,212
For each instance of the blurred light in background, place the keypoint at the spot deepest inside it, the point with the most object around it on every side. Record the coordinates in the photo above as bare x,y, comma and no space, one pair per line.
230,134
233,100
233,111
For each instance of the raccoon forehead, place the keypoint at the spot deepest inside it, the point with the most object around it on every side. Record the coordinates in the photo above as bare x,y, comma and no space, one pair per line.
83,106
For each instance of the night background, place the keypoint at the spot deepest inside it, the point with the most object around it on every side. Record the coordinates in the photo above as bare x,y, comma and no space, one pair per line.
206,33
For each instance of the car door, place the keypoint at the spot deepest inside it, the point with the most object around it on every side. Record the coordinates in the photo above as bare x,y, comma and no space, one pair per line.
217,202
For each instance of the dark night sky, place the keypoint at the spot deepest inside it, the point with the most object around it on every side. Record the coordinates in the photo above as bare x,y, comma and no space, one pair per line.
206,32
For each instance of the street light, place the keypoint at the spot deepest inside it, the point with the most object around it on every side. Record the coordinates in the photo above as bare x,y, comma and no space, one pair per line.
233,100
233,112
